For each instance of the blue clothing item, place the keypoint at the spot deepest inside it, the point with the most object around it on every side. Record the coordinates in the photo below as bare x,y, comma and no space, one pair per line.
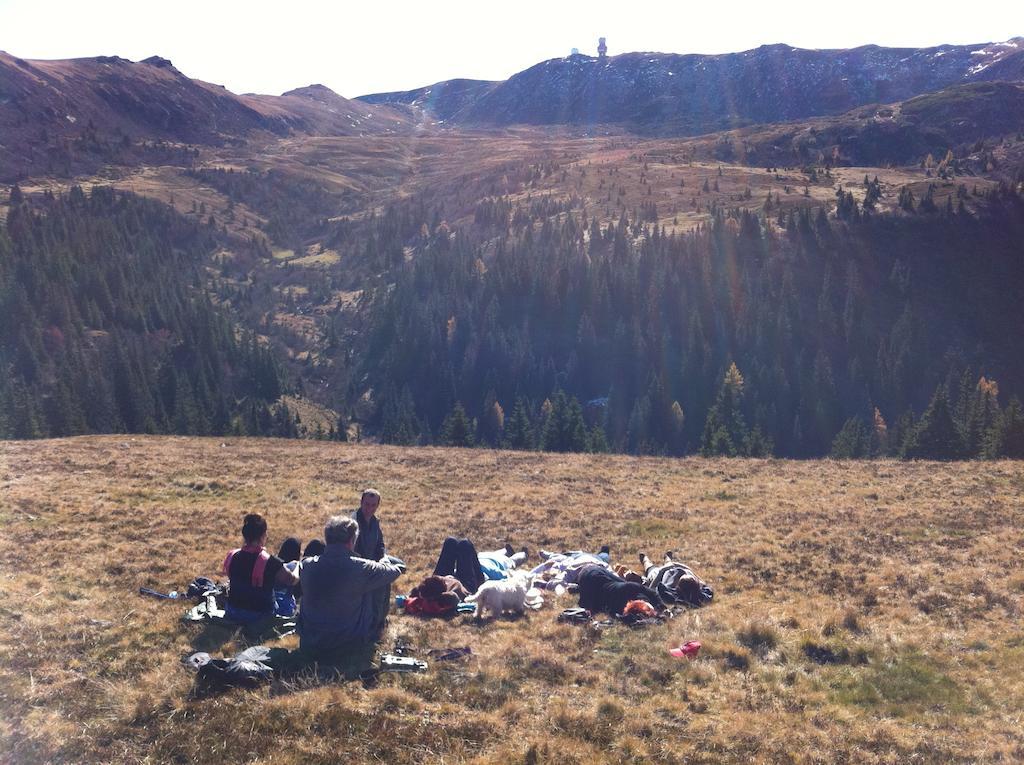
496,564
244,615
284,597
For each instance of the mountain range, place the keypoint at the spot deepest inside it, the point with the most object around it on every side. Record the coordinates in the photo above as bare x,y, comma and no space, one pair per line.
587,247
672,94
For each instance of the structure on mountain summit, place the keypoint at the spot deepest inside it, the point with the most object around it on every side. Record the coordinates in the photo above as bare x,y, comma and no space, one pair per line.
602,49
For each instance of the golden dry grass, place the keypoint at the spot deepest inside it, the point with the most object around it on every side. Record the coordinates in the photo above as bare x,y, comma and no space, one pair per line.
864,612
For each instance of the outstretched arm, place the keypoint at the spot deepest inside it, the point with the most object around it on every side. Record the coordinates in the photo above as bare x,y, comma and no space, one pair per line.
286,578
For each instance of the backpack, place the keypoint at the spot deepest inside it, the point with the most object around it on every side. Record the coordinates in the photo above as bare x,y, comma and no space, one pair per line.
246,670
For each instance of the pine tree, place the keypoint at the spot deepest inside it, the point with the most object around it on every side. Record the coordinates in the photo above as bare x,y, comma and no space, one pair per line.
458,428
341,428
518,429
677,433
725,431
935,436
1005,440
565,430
852,442
492,422
879,435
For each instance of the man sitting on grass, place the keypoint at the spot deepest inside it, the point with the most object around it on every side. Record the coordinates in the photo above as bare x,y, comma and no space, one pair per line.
370,545
338,611
253,573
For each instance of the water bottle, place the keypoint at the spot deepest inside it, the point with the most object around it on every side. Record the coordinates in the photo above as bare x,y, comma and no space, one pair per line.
399,601
173,594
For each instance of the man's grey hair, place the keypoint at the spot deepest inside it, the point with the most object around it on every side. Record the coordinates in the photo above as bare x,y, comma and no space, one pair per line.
340,529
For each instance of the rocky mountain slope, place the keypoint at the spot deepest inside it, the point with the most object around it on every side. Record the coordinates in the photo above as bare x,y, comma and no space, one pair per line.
671,94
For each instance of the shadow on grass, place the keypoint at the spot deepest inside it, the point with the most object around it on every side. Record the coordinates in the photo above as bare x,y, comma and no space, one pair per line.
214,634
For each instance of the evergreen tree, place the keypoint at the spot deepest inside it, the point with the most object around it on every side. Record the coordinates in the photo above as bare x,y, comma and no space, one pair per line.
725,431
1005,440
492,422
935,436
518,429
399,422
341,428
458,428
565,429
852,442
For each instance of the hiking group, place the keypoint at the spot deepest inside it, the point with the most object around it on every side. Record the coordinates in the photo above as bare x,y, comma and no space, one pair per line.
340,588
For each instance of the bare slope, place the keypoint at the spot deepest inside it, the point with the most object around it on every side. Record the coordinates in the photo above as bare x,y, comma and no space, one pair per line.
53,110
864,611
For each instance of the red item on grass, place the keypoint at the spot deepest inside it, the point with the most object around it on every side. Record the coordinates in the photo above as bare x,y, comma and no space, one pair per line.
689,650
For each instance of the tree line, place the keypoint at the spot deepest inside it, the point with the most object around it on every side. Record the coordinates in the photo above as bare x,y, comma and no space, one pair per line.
803,336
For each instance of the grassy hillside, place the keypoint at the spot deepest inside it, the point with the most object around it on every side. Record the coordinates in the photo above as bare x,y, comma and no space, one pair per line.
864,612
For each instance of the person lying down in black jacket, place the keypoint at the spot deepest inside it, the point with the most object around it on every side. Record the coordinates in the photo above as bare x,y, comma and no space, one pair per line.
604,590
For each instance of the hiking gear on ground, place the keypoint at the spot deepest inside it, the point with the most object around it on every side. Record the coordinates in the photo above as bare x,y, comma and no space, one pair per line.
689,650
449,654
392,663
533,599
575,616
202,586
247,669
172,595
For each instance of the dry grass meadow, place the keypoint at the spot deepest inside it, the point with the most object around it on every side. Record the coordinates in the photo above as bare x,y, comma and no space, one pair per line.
864,612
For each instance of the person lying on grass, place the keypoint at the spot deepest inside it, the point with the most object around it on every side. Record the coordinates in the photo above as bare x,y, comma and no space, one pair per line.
564,568
253,573
338,609
436,596
603,590
673,581
460,559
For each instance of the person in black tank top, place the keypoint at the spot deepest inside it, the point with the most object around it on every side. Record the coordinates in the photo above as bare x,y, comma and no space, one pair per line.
253,573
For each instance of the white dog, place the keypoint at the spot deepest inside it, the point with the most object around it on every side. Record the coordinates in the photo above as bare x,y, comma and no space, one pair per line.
513,594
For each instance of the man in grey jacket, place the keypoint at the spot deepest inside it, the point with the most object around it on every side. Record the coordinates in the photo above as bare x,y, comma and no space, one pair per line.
338,611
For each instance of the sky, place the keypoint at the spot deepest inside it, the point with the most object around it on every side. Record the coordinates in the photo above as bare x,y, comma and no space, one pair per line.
356,48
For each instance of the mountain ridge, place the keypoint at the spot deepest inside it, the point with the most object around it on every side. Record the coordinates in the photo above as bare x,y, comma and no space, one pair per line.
690,94
109,103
